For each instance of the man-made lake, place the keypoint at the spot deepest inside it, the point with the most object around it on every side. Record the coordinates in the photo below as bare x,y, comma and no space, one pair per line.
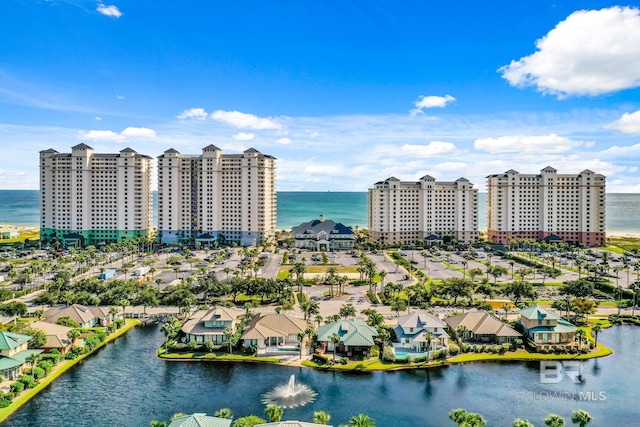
124,384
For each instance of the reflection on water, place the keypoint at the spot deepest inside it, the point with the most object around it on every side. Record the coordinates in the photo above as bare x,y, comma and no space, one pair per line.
125,384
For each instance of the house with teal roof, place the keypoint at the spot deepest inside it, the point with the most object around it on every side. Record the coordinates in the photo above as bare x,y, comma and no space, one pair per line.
13,354
546,329
356,337
199,420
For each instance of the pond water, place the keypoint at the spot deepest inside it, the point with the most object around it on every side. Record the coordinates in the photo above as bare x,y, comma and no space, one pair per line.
124,384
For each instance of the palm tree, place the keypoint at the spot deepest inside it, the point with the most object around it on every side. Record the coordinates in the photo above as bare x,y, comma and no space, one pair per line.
554,420
274,413
171,328
155,423
458,416
522,423
596,331
123,303
321,417
73,335
429,336
335,339
580,417
362,420
580,333
224,413
383,275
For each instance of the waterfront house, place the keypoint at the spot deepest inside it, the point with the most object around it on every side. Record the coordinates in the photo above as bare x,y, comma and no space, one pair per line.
356,337
199,420
85,316
57,336
273,332
210,324
13,354
292,424
323,235
483,327
546,330
412,332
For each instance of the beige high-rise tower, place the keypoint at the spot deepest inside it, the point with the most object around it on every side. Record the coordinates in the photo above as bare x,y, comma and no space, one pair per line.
89,198
412,212
216,197
556,207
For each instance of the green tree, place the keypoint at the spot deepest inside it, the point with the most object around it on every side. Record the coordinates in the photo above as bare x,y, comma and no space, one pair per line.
554,420
347,311
224,413
73,335
155,423
362,420
519,290
335,339
249,421
123,303
274,413
580,417
522,423
596,330
170,329
321,417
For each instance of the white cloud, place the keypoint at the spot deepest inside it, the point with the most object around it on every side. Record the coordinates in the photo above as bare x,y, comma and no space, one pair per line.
244,120
431,102
110,10
132,132
331,170
97,118
109,135
451,166
196,114
314,135
119,97
628,123
242,136
537,144
589,53
432,149
101,135
283,141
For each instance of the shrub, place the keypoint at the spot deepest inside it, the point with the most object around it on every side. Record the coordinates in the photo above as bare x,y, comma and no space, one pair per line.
208,345
344,360
192,345
4,403
38,372
420,359
388,354
46,365
17,387
27,380
375,351
454,349
320,359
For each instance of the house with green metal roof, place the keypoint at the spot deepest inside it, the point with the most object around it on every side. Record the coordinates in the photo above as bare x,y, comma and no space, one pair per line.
13,354
356,337
546,329
199,420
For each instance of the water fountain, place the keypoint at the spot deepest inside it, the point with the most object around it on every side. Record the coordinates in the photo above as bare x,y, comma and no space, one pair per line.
290,395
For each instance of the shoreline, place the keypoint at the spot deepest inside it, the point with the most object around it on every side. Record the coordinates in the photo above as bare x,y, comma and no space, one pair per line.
614,233
63,367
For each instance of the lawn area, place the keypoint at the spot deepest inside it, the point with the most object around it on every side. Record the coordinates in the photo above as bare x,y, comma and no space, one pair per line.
61,368
625,243
214,356
283,272
31,235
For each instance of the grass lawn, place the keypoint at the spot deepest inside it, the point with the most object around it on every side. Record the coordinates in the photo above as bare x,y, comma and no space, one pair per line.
214,356
61,368
31,235
625,243
283,272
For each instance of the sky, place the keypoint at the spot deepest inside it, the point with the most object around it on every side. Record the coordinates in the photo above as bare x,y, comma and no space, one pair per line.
343,93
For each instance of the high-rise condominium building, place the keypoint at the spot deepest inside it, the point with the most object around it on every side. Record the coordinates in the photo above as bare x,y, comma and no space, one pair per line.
216,197
412,212
559,208
91,198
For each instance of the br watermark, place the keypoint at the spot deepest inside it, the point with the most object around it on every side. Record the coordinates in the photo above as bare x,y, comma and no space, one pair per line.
553,371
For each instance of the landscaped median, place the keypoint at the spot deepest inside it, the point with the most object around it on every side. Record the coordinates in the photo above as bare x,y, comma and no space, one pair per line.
201,356
59,370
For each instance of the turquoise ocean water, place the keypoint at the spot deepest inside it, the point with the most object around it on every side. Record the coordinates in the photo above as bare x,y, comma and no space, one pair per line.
21,207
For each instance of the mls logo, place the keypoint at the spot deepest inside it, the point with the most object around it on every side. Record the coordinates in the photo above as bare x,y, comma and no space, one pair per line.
552,372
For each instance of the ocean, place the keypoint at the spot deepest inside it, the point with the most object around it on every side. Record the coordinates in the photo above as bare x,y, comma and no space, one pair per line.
21,208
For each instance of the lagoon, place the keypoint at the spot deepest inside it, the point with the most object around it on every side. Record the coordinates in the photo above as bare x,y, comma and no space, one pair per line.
124,384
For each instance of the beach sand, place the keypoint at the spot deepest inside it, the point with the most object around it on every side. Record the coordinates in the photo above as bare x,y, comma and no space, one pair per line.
631,234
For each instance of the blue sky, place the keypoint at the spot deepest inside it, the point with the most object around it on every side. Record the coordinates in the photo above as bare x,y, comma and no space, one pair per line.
343,93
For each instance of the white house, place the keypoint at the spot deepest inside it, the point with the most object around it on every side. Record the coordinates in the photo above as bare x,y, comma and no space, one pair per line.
413,329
